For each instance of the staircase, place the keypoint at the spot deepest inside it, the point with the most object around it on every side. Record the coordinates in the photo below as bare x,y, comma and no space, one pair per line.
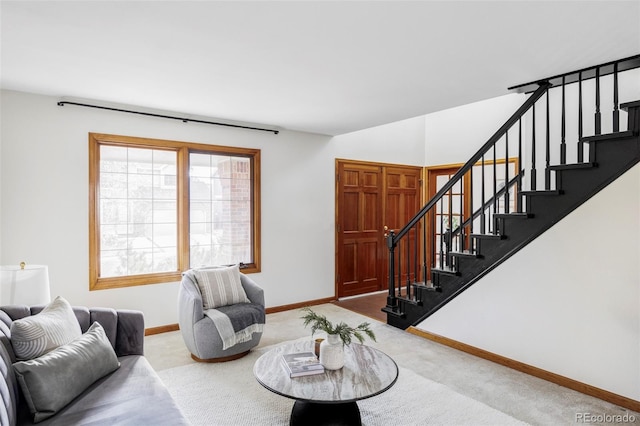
536,169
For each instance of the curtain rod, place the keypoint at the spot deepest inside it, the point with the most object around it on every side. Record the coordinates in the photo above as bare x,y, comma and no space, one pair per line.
184,120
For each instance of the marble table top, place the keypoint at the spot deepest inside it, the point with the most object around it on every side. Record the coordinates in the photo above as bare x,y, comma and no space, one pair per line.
367,372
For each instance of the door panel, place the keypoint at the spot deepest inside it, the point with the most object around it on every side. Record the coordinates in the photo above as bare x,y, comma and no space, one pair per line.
402,202
350,215
369,196
358,223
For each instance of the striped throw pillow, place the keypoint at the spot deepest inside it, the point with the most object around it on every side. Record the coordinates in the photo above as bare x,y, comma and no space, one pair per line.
54,326
220,286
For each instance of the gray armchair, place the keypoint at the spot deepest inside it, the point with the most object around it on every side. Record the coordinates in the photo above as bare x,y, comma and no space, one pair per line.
199,332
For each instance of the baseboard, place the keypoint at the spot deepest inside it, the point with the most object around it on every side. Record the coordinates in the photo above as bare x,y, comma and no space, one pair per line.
566,382
283,308
161,329
175,327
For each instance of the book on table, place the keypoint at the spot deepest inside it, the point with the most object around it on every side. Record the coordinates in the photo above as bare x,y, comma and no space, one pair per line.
302,364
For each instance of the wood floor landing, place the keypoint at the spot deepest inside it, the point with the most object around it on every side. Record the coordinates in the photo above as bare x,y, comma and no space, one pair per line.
369,305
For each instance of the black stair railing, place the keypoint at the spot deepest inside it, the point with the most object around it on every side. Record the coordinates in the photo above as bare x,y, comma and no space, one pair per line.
546,130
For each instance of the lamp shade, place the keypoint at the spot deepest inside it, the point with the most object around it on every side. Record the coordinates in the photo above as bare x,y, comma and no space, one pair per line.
24,285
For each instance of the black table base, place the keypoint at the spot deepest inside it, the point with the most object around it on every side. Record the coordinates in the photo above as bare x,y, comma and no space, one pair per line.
311,414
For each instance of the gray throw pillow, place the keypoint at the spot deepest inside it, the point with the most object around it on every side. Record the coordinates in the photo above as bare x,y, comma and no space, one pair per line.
38,334
220,286
53,380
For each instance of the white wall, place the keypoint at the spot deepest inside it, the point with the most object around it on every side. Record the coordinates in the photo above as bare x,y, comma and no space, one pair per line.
44,203
401,142
569,302
454,135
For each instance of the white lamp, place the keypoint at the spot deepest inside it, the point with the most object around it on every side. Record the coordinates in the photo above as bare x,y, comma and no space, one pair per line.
24,285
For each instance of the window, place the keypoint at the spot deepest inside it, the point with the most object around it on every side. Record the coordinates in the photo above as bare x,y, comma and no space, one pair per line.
160,207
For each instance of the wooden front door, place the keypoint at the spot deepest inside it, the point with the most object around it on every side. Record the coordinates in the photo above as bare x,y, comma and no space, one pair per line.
368,197
402,202
360,241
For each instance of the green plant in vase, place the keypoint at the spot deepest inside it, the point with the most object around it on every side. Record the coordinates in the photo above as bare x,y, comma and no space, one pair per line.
338,336
345,332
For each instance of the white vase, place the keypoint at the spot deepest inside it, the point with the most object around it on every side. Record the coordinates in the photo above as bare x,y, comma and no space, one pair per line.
332,352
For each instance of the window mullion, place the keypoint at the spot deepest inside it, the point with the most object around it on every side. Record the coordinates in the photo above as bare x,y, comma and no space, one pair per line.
183,208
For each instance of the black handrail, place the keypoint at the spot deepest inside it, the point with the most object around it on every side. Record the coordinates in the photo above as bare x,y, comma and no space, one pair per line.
477,156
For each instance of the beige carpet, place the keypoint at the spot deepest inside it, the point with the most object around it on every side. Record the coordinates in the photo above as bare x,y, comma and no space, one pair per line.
515,394
228,394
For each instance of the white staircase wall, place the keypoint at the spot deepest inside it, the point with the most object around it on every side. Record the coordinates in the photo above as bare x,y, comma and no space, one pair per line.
569,302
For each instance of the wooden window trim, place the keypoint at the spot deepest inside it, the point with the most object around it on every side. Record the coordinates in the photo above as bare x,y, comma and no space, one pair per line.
183,149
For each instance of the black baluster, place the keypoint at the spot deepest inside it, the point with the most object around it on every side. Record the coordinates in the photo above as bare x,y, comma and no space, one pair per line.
471,205
391,298
520,168
598,128
533,183
408,281
441,232
424,248
434,221
408,264
580,143
450,223
482,198
563,145
547,155
461,239
495,190
399,269
415,253
506,172
616,111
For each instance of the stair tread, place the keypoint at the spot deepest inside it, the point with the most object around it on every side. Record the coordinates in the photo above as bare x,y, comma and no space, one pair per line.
574,166
428,286
513,215
413,301
393,311
632,104
543,192
465,253
489,236
445,270
608,136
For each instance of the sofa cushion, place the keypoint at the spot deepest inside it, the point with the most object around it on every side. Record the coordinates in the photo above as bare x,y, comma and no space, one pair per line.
220,286
53,380
133,395
36,335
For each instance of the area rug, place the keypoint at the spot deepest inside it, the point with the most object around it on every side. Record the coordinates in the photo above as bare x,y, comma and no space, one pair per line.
228,394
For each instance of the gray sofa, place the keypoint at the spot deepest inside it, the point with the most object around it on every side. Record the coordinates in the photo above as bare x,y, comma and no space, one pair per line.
131,395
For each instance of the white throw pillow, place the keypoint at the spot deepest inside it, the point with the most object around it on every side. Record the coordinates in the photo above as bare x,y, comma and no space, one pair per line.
54,326
220,286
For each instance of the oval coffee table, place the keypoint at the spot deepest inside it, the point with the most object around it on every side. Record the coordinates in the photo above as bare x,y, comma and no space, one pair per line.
330,397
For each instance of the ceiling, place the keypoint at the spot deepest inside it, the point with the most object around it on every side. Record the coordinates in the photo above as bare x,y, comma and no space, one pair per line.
315,66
